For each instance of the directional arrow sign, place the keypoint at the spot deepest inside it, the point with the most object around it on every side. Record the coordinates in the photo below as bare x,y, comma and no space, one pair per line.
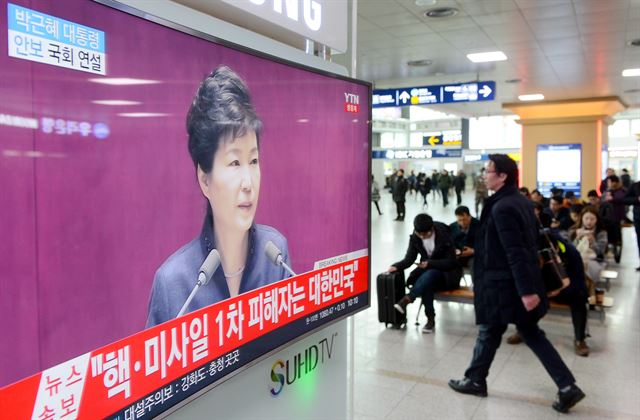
436,94
485,91
432,140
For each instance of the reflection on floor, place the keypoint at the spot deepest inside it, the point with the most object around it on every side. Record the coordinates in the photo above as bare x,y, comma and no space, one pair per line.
403,374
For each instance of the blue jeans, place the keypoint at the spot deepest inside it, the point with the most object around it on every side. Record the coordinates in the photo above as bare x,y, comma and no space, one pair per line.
427,284
488,341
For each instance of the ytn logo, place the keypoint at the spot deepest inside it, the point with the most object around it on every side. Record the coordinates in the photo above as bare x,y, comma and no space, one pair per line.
351,102
287,372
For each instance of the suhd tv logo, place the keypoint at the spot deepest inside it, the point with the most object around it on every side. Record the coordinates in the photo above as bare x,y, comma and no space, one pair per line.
302,364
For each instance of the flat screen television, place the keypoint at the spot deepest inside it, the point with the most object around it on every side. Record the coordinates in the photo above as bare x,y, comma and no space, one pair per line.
131,149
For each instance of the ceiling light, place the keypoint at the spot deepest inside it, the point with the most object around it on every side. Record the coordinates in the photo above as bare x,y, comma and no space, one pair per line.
531,97
143,114
423,3
123,81
114,102
631,72
487,56
419,63
441,12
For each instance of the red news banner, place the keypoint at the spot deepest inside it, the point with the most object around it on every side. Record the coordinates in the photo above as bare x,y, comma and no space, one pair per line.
106,380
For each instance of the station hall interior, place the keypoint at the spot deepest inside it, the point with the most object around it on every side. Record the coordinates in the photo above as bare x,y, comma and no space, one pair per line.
553,84
565,76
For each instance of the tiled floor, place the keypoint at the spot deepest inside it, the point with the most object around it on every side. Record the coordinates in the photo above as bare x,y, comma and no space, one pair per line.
403,374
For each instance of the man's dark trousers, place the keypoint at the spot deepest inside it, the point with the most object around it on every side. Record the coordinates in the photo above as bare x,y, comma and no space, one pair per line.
489,339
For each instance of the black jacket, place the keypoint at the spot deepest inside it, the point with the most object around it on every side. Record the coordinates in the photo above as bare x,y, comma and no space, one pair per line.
399,189
442,258
506,261
563,216
462,239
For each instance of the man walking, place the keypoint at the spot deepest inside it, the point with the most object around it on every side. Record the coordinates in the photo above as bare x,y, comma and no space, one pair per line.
508,287
399,193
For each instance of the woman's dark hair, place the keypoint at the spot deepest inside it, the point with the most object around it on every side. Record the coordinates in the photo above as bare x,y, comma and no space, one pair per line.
423,223
221,110
503,164
587,209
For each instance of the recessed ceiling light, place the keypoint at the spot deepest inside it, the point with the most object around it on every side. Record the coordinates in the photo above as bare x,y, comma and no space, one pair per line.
634,42
420,63
487,56
531,97
123,81
114,102
631,72
441,12
423,3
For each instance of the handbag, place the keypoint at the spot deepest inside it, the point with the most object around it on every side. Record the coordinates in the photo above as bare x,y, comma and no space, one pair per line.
554,276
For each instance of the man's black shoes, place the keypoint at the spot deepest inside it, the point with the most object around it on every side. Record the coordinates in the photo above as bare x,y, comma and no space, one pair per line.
467,386
567,399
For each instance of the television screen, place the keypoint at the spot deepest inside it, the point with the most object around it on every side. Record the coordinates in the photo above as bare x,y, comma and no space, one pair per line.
559,166
140,159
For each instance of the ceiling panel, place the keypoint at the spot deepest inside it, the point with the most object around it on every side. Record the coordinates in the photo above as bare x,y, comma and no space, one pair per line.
427,39
397,19
553,47
497,18
561,27
450,24
562,48
372,8
590,6
469,40
407,30
558,10
474,7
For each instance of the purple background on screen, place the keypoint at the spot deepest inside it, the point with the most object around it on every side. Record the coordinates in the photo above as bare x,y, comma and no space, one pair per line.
85,226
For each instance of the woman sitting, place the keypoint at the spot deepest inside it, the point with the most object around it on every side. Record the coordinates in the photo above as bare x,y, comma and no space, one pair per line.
590,238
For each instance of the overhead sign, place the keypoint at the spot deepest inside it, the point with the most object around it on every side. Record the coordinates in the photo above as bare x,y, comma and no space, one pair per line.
416,153
436,94
446,138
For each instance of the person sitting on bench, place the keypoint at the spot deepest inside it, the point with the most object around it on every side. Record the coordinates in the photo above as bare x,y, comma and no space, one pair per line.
438,268
463,231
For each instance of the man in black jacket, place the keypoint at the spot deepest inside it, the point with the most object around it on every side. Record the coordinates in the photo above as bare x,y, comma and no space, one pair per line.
438,268
399,191
463,231
508,287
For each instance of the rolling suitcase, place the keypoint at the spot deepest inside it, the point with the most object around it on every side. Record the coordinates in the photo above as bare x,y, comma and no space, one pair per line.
391,288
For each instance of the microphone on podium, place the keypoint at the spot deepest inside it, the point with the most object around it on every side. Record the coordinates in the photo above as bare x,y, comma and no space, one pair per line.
275,255
208,267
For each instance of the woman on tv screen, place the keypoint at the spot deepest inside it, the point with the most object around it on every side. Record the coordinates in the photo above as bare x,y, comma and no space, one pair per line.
224,136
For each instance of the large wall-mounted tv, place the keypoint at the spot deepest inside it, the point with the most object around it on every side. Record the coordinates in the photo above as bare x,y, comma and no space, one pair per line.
133,150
